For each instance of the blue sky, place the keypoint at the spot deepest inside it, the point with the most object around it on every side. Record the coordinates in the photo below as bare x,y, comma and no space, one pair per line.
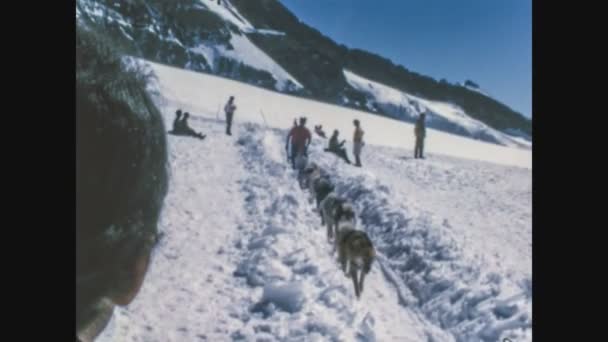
486,41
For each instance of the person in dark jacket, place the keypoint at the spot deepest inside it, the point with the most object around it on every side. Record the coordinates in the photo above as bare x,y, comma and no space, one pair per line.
229,109
337,148
121,182
420,132
357,142
177,123
320,132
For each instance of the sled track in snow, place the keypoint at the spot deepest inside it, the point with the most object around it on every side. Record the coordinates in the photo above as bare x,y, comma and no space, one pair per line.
427,270
273,254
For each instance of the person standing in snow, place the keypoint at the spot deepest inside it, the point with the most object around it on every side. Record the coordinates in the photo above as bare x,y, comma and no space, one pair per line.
420,132
229,109
289,156
300,140
357,142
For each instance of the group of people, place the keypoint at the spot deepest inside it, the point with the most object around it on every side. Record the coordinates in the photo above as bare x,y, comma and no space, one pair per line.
181,126
299,137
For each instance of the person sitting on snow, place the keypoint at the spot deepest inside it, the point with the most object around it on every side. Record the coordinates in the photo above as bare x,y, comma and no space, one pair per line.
189,131
177,123
319,131
337,147
181,127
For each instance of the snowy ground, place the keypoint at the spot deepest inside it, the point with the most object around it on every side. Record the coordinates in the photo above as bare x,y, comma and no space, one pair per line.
205,95
244,256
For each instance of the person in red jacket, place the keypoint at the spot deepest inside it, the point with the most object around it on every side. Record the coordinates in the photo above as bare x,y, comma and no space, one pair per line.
300,140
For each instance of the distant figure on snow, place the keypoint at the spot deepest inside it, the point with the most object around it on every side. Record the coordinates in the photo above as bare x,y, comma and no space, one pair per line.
229,109
320,132
300,140
177,122
420,132
336,147
181,127
188,130
357,142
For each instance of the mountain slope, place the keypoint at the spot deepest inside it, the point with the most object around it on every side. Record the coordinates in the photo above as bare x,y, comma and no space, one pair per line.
317,62
205,95
196,35
443,116
262,43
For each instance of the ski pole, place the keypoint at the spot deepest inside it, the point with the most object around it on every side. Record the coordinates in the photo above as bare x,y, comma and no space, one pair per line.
264,118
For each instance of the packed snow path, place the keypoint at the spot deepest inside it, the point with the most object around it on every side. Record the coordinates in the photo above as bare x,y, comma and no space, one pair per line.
244,256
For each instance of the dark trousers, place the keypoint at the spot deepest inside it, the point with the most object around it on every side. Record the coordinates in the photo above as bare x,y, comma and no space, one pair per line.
295,151
229,123
340,152
418,150
191,132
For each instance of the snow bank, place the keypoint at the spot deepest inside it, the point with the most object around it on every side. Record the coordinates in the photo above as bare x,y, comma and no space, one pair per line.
288,297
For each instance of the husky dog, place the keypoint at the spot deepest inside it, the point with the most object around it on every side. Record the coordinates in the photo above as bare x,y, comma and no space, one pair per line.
355,252
344,217
305,175
314,172
322,187
337,212
327,208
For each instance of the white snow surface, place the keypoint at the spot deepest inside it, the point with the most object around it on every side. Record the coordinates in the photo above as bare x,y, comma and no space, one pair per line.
206,94
244,256
441,113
